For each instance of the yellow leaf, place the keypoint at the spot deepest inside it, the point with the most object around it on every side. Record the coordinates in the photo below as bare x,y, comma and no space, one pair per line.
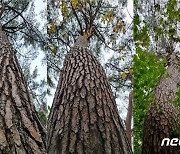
108,16
124,30
84,3
120,25
130,70
115,29
74,3
88,33
123,75
54,50
64,10
52,28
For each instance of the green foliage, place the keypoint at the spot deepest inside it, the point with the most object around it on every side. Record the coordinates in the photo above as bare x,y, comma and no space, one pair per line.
43,118
38,92
141,35
147,70
161,22
43,113
18,21
177,99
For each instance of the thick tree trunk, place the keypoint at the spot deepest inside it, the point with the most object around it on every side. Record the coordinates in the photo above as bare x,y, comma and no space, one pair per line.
20,128
163,116
84,117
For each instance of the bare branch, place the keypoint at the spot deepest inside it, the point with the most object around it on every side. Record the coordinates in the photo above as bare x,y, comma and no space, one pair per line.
16,15
81,29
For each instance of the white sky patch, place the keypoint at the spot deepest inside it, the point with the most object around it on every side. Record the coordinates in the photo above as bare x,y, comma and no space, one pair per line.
42,68
122,100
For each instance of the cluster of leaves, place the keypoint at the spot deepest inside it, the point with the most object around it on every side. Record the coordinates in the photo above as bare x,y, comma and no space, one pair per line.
120,76
162,21
18,21
147,71
168,17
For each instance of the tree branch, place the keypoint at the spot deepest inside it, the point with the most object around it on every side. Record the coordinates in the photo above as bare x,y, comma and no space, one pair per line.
81,29
16,15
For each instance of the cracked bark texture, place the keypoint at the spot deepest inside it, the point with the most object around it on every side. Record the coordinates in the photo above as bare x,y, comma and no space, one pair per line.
163,116
20,128
84,117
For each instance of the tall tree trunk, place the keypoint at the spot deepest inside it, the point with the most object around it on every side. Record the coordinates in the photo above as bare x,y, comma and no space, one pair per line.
129,117
163,116
20,128
84,117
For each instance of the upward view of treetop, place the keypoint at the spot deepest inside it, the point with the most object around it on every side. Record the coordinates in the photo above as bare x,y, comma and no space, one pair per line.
160,19
90,18
101,23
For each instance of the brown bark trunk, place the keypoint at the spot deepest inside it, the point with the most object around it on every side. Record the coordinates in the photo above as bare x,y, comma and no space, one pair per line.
84,117
129,117
20,128
163,115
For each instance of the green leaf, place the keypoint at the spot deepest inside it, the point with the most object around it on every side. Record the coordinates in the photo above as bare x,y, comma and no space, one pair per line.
54,51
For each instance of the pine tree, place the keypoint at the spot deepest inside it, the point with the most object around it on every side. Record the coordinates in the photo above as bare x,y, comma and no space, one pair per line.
20,129
84,116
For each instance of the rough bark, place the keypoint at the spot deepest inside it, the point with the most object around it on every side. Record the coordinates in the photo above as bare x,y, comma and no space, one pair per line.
20,128
129,117
84,117
163,116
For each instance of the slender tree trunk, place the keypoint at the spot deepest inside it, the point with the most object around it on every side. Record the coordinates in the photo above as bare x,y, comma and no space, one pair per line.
129,117
163,116
20,128
84,117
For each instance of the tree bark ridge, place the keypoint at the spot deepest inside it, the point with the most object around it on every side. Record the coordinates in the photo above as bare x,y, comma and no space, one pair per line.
20,129
84,117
